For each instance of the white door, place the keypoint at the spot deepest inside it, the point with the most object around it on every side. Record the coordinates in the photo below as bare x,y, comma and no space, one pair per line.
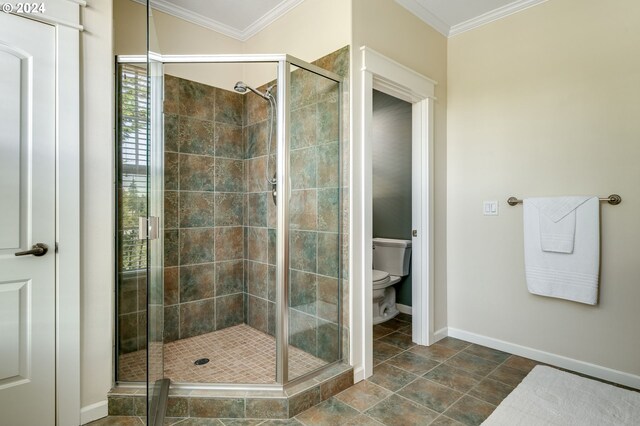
27,217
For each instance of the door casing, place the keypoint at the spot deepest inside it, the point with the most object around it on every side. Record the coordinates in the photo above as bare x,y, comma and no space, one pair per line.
388,76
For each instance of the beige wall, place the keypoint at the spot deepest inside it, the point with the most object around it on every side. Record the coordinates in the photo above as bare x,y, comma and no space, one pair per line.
545,102
130,28
97,220
388,28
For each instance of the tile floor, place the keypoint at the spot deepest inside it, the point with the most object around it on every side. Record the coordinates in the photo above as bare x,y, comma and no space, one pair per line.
449,383
238,354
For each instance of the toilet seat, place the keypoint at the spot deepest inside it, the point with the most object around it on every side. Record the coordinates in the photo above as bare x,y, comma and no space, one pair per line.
380,277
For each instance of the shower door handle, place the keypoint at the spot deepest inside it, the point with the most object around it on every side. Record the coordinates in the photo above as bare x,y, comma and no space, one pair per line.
274,193
148,228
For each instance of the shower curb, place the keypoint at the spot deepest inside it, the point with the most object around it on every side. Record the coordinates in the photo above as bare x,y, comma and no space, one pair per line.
214,403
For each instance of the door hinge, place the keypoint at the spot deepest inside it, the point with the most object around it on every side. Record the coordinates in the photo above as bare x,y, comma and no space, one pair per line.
414,233
148,227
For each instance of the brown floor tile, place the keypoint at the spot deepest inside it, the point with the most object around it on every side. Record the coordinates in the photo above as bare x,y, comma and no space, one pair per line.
363,420
413,363
398,339
170,421
193,421
285,422
487,353
491,391
404,317
384,351
520,363
452,377
432,395
329,412
508,375
363,395
394,324
445,421
380,330
472,363
470,411
390,377
397,411
452,343
436,352
241,422
406,330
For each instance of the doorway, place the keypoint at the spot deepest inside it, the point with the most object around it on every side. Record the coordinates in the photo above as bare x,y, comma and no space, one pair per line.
394,79
391,162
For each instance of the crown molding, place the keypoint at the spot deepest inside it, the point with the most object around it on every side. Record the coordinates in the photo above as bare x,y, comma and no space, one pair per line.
493,15
415,7
211,24
268,18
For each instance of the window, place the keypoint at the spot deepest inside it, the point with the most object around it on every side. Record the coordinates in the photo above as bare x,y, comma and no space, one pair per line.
132,149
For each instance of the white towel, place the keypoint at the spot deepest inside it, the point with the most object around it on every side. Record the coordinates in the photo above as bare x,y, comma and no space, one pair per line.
571,276
558,222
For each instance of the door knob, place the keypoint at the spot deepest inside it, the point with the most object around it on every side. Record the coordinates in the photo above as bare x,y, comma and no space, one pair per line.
38,249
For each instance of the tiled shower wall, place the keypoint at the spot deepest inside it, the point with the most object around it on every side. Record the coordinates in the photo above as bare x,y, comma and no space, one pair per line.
203,219
260,220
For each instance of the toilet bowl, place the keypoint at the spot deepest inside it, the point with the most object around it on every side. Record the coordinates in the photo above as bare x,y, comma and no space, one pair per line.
384,296
391,262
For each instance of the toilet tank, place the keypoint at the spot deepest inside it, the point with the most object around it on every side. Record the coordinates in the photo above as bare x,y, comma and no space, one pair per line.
393,256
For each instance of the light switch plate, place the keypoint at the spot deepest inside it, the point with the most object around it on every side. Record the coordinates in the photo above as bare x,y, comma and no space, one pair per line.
490,208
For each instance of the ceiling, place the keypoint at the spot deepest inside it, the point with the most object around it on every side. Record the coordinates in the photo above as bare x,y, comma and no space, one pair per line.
242,19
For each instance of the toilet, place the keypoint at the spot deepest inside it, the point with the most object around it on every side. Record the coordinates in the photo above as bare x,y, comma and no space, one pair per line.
391,262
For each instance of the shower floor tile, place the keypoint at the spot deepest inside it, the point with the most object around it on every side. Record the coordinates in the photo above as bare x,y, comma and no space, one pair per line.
238,354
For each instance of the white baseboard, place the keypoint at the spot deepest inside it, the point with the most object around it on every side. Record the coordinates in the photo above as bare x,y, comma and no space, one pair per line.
440,334
94,412
404,308
358,374
594,370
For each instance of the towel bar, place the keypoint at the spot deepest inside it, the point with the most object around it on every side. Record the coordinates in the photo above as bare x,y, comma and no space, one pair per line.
613,199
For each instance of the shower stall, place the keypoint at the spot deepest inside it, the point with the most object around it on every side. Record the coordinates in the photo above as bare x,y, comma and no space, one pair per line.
230,218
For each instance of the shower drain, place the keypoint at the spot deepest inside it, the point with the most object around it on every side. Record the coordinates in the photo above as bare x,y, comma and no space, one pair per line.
201,361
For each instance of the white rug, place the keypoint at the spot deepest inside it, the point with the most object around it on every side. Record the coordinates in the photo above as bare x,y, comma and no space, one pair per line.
552,397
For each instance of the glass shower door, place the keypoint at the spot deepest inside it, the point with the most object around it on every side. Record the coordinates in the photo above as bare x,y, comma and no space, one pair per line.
157,386
314,222
139,238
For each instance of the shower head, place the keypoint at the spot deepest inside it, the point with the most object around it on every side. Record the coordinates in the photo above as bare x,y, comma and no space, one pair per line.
242,87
